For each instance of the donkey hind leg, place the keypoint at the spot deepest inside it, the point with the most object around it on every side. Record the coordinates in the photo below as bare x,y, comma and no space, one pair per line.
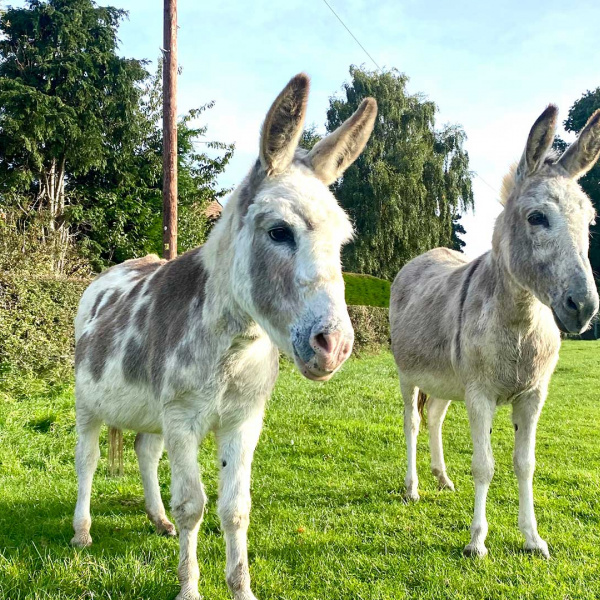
412,421
481,415
526,411
436,412
236,449
87,453
187,502
149,449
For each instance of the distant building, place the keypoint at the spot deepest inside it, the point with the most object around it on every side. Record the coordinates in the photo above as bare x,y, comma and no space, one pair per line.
213,211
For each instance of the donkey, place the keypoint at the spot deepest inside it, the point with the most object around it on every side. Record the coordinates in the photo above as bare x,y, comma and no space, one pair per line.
487,331
177,349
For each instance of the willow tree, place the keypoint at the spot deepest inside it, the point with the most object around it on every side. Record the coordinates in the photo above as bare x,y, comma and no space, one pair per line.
409,184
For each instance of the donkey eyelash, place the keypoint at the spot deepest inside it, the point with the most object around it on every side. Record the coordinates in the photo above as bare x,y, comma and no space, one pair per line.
538,218
282,235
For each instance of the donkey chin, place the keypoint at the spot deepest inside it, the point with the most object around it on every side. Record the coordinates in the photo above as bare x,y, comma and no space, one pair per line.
321,351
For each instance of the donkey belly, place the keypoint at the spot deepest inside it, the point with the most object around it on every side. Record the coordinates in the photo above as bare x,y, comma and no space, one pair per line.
442,384
118,403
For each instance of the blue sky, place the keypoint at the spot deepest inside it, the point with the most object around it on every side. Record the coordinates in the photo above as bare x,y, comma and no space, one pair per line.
492,67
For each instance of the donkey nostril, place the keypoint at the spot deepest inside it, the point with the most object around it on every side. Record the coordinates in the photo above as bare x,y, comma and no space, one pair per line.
571,304
323,343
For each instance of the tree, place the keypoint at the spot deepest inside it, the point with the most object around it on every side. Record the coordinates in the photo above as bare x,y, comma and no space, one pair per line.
81,141
579,113
118,215
68,100
410,182
457,242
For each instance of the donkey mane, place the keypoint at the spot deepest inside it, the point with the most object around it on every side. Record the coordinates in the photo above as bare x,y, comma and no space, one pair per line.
509,181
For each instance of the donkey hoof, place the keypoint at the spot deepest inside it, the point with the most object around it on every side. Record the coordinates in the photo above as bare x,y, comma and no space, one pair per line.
246,595
444,483
475,550
539,547
412,496
188,594
82,540
166,528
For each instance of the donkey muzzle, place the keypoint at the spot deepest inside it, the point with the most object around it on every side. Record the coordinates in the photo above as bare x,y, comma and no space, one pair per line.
323,353
575,310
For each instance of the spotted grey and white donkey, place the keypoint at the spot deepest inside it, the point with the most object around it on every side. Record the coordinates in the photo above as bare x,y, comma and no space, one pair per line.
174,350
487,331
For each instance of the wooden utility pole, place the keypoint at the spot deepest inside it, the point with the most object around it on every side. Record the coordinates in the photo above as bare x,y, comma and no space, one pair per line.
115,438
170,129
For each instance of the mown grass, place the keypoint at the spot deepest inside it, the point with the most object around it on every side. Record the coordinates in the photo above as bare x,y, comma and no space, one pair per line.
328,519
366,290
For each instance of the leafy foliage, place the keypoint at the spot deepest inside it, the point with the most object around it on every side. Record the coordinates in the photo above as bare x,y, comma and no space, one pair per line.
410,182
80,137
69,102
120,206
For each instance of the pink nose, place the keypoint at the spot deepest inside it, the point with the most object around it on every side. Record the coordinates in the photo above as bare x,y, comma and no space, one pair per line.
331,349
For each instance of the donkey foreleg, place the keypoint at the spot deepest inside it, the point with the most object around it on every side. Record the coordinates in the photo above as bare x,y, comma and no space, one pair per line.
187,500
412,421
236,449
149,449
481,415
525,415
436,412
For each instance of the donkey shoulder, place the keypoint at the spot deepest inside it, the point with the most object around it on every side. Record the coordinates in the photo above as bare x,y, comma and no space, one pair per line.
434,264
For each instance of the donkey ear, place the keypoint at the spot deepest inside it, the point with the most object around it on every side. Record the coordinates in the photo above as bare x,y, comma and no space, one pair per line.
539,142
283,126
335,153
583,153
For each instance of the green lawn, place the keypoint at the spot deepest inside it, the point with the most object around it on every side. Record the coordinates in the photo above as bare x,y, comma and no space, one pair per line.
328,519
366,290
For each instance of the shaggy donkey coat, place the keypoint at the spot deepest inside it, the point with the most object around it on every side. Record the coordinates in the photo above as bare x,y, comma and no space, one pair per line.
176,349
487,331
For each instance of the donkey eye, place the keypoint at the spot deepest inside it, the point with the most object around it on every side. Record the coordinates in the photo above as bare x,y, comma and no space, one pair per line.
281,235
537,218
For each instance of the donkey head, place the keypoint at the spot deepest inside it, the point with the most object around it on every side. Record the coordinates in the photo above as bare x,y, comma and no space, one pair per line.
287,272
543,232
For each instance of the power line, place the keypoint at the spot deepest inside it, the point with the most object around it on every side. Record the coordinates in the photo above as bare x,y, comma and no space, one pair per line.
353,36
486,183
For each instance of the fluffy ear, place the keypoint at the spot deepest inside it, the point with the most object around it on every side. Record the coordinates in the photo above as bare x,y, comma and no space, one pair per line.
583,153
283,126
539,142
335,153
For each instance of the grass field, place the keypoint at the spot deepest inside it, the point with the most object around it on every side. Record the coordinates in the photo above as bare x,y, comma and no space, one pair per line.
366,290
328,519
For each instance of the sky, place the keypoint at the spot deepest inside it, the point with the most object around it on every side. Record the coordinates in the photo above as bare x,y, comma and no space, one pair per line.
491,67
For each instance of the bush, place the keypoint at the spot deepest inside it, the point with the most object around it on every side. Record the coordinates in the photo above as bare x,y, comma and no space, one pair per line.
366,290
37,326
371,328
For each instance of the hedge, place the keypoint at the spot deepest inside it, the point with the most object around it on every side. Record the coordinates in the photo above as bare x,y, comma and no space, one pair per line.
37,325
37,320
371,328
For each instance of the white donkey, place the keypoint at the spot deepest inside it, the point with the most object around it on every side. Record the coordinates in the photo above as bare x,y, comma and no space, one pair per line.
181,348
486,331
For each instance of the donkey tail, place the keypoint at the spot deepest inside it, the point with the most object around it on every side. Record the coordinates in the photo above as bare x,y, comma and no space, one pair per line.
115,452
421,402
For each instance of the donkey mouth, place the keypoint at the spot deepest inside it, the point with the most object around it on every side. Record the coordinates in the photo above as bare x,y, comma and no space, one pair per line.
312,371
561,325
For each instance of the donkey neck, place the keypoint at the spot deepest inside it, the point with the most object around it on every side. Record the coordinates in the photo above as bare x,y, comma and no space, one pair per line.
222,309
515,306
